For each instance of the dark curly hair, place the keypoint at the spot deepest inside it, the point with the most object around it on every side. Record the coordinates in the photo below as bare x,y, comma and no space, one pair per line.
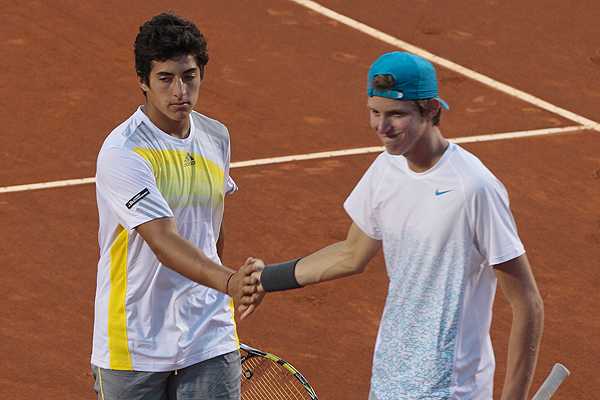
164,37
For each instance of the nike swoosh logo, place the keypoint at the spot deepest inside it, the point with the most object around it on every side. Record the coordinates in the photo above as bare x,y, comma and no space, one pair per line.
441,192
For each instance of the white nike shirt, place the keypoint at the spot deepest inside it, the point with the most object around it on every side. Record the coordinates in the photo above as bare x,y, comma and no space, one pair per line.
441,231
147,316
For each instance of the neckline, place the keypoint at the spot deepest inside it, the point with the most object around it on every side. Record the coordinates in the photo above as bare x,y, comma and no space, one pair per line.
164,135
404,162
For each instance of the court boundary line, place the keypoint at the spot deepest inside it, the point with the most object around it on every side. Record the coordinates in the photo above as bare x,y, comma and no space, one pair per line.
469,73
314,156
585,123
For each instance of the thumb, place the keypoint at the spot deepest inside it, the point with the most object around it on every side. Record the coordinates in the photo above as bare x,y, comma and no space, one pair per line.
248,311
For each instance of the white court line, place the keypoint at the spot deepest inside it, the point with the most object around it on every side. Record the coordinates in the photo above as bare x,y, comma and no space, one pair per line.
586,123
314,156
476,76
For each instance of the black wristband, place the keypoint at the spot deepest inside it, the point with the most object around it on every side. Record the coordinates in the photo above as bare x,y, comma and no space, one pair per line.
279,276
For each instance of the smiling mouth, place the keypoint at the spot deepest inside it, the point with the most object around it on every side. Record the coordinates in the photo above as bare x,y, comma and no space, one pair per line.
391,136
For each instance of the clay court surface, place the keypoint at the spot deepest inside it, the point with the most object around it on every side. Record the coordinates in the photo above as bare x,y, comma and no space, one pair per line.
288,81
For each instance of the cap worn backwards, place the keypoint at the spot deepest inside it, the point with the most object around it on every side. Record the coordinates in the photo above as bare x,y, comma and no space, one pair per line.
414,78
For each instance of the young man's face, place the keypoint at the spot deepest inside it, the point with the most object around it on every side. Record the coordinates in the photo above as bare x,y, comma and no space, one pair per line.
173,87
398,124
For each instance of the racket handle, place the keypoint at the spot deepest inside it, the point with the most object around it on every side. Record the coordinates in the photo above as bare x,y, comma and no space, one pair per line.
558,374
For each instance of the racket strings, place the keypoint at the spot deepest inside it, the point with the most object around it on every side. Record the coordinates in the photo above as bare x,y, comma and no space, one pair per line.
263,379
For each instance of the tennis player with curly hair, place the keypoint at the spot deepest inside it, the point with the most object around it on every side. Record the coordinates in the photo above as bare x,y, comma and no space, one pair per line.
164,319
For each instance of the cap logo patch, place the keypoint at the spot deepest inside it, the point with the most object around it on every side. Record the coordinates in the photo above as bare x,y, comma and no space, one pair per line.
383,82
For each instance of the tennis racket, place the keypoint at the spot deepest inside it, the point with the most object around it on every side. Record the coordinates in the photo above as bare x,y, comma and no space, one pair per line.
558,374
268,377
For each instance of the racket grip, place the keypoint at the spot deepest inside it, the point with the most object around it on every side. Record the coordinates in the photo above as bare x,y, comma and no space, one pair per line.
558,374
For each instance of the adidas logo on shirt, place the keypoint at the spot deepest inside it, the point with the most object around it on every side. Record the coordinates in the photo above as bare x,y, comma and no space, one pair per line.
189,160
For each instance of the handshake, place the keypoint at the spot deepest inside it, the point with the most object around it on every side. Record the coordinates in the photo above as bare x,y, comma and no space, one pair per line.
245,288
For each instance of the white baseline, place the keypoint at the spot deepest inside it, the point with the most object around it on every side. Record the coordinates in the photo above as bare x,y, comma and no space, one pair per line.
313,156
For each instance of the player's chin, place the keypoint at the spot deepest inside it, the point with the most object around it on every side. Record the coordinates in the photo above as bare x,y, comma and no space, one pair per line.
395,149
396,145
180,115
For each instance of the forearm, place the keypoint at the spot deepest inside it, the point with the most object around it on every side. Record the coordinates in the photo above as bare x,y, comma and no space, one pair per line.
344,258
183,257
331,262
523,349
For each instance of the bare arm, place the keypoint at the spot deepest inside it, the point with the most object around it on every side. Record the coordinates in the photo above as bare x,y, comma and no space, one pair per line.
340,259
182,256
520,289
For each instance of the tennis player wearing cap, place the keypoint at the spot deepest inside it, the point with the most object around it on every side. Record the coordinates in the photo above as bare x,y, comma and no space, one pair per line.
447,233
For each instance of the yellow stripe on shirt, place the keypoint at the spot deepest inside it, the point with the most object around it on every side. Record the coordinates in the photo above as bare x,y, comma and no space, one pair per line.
232,311
118,345
185,178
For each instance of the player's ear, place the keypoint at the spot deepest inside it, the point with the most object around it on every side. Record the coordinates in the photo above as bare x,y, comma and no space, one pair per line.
143,85
432,108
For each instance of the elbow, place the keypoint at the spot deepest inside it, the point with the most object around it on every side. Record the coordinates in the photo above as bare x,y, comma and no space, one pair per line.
160,254
354,265
352,261
536,304
539,307
159,248
536,313
358,268
532,307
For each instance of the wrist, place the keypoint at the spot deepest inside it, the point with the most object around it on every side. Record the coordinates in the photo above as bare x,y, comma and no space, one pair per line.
227,283
281,276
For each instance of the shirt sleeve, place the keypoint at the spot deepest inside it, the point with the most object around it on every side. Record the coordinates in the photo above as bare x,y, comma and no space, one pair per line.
495,229
360,204
230,185
125,180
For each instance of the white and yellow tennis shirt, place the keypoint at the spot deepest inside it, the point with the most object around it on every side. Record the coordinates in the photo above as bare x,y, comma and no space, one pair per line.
147,316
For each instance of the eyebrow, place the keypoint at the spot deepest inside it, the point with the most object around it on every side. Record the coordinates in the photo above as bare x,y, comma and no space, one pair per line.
187,71
396,110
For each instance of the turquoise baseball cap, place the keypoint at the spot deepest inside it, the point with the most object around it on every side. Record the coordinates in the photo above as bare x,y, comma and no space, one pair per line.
414,77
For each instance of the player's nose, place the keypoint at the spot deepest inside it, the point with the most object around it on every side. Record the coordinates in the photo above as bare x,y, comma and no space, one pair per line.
179,88
383,126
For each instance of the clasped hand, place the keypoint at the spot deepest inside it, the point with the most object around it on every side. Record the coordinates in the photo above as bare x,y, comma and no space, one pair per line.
245,287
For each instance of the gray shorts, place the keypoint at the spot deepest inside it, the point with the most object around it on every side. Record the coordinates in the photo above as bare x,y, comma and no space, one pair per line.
217,378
